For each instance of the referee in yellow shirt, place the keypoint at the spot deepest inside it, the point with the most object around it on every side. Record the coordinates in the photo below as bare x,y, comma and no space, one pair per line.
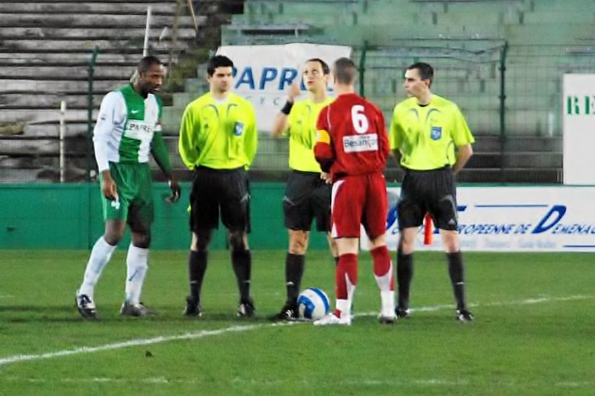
307,195
218,139
432,142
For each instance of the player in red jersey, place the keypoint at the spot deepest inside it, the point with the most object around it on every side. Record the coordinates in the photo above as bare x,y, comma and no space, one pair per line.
352,145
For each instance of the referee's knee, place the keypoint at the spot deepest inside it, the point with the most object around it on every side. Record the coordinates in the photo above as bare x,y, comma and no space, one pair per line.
236,240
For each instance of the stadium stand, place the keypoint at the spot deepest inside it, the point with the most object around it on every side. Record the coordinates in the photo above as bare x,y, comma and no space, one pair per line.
46,50
500,60
508,43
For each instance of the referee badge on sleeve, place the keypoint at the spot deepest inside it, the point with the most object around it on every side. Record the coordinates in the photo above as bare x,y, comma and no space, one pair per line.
238,128
436,133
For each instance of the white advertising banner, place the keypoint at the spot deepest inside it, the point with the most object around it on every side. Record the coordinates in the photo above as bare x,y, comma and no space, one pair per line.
579,129
518,219
263,73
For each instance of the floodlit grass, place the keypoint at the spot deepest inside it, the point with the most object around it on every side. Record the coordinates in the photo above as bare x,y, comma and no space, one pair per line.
532,335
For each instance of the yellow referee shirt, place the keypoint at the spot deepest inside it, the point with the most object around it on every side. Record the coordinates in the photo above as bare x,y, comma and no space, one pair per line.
427,135
302,134
219,134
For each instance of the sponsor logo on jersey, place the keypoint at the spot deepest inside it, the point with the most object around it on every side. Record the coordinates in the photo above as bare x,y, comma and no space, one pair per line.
139,130
359,143
238,128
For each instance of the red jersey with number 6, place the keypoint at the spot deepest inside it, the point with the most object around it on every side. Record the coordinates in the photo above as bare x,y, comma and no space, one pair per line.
351,137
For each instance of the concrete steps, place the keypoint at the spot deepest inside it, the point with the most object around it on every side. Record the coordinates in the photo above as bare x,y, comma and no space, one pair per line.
75,20
26,116
81,33
64,87
46,46
45,50
77,7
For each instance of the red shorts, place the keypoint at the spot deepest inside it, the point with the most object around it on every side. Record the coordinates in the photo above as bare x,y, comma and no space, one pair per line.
359,200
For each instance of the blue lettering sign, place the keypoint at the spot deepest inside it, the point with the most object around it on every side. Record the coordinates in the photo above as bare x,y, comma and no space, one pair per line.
393,216
286,78
246,77
269,79
268,74
546,223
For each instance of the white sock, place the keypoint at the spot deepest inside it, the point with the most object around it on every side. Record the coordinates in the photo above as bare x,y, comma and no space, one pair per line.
344,306
100,256
387,296
388,303
137,263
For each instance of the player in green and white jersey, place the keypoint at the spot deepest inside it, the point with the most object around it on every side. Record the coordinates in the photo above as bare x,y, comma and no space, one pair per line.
307,195
127,132
218,140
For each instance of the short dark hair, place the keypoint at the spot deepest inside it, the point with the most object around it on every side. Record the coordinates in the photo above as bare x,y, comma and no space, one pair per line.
325,69
218,61
426,72
345,71
145,63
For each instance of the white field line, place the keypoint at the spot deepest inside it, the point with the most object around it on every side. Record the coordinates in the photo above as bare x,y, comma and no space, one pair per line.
135,342
428,382
208,333
167,381
529,301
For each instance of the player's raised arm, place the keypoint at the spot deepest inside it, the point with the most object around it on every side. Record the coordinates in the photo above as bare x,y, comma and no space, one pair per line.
281,121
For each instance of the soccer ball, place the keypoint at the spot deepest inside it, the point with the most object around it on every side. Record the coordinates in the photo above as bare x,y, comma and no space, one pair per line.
313,304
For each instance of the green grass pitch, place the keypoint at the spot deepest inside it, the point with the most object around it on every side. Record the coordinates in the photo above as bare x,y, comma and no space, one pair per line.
533,333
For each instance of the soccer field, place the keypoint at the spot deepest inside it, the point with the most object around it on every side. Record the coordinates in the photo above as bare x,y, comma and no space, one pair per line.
532,335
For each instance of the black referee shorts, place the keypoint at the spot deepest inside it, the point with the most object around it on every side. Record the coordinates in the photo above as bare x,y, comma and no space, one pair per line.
224,191
307,197
428,192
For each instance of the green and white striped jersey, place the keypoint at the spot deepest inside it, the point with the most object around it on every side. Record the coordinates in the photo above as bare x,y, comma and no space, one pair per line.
125,127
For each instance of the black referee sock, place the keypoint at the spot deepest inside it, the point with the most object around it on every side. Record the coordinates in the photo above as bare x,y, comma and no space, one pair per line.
404,277
242,266
294,271
457,277
197,266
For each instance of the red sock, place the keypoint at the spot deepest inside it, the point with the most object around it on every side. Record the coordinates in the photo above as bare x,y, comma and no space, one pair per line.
383,264
345,278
